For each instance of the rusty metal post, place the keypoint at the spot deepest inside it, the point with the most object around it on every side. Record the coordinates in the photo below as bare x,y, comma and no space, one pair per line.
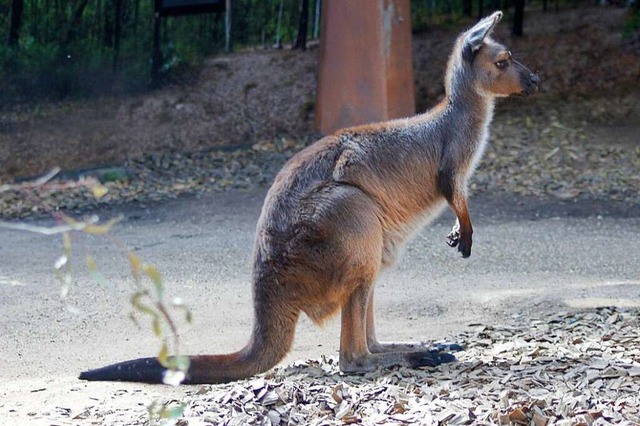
366,72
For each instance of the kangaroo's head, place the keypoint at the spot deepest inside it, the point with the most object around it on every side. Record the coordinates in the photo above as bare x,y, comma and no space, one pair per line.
481,64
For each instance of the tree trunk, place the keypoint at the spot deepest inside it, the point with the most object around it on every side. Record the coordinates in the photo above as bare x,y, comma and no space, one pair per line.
266,12
518,18
17,7
467,7
156,52
136,18
108,25
278,43
303,26
316,21
117,33
35,20
227,27
448,9
95,26
75,22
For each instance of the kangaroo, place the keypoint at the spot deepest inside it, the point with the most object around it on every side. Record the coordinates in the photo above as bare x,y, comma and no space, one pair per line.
342,209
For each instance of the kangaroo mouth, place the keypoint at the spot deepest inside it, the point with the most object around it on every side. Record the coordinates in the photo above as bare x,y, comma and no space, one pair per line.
529,90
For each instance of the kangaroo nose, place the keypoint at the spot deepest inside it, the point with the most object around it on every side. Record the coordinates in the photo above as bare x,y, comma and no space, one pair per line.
534,78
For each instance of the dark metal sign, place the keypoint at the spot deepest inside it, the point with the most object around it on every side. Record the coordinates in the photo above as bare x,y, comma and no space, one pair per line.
188,7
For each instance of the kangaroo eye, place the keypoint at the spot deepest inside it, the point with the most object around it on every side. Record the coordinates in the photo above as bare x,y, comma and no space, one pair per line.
502,64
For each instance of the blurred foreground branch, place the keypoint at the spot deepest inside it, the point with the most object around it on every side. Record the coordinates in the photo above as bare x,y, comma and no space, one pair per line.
147,296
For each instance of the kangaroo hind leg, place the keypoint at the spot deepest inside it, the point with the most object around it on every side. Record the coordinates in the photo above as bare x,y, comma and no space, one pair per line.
375,346
355,356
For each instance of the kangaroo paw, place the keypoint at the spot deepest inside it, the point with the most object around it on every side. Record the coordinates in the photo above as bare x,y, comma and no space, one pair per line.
453,238
369,362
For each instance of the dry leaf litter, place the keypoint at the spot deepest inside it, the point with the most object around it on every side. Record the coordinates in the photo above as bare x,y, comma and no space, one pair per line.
578,368
535,152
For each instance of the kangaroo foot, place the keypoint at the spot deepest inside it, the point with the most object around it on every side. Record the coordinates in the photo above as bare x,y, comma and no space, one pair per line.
447,347
381,347
371,361
453,238
463,242
430,358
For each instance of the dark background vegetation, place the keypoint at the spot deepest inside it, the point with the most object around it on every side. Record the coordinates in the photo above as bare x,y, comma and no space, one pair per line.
75,48
77,88
54,49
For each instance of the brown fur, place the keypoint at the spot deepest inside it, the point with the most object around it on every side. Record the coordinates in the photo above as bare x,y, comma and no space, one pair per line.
343,208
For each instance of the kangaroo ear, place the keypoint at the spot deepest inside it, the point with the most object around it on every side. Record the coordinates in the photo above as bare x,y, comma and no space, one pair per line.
475,36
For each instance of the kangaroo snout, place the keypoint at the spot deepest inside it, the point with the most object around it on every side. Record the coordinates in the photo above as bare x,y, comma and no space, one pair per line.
534,79
530,84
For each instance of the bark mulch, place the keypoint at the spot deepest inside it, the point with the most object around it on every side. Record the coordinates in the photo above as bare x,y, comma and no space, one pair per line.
578,368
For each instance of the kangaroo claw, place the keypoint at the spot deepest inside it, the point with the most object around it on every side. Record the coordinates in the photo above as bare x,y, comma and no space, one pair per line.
453,238
429,358
464,247
447,347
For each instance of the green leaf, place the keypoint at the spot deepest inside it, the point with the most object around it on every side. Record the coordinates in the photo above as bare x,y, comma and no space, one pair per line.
66,243
136,266
92,265
99,191
103,228
136,301
173,413
156,277
163,355
179,303
97,276
133,318
180,363
66,286
158,410
157,327
59,276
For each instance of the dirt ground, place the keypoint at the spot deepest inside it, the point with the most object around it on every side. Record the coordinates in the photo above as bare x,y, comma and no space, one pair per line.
256,95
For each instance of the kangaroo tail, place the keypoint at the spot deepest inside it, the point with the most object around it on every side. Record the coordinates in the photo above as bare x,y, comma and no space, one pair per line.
272,337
